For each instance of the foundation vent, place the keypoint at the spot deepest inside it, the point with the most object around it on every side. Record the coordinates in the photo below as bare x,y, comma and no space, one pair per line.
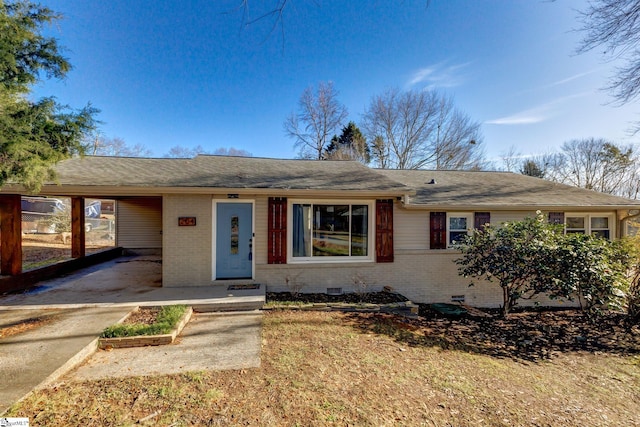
457,298
334,291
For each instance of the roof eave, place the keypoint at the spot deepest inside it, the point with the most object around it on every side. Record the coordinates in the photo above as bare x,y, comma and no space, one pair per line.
124,191
520,207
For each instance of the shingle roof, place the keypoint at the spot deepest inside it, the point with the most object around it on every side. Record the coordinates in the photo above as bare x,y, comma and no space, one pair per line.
451,189
224,172
490,189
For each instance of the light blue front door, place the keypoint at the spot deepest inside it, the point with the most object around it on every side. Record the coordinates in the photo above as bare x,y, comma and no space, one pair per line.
234,241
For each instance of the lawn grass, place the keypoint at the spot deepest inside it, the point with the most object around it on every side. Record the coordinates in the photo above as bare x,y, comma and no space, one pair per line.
331,368
166,321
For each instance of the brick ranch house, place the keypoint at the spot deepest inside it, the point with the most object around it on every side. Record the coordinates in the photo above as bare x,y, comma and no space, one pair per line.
319,224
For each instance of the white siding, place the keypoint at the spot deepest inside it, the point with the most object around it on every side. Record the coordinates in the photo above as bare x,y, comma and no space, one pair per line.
260,244
410,229
499,217
139,223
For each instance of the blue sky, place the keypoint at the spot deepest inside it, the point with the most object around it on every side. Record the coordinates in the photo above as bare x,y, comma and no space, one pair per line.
167,73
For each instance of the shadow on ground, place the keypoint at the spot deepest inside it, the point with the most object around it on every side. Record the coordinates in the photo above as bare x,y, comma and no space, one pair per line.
527,336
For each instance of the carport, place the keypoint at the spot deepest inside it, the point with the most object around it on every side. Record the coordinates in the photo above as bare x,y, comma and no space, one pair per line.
11,231
140,228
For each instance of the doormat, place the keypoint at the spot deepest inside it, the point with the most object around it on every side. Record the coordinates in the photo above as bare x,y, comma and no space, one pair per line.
243,287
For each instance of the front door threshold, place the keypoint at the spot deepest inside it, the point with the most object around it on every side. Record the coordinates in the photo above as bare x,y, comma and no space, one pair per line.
227,282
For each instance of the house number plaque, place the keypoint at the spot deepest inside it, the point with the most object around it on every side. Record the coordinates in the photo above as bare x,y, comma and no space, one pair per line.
187,221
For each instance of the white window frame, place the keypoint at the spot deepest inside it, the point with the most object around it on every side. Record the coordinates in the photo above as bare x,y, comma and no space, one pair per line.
470,223
587,222
332,259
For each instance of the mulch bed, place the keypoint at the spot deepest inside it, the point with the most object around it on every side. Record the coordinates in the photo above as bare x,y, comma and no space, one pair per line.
144,316
529,336
351,298
524,335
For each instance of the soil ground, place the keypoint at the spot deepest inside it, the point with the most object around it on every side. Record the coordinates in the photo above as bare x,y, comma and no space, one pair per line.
143,316
42,249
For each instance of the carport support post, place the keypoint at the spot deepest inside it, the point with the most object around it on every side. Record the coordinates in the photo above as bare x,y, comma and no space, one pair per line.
11,231
77,227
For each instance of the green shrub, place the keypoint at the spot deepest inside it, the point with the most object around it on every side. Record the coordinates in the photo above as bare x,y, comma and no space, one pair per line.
518,255
532,257
633,298
166,321
593,269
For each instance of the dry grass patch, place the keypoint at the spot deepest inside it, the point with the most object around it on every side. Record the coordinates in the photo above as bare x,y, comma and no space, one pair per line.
39,250
329,368
26,325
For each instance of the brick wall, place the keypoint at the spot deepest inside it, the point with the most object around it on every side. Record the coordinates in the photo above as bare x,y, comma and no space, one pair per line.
421,274
186,255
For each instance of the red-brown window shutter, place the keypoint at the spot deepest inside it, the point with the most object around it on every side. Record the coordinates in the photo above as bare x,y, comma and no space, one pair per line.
556,217
384,230
480,219
438,230
277,230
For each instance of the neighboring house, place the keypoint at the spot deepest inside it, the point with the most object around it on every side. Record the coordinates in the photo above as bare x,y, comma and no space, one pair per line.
37,212
321,224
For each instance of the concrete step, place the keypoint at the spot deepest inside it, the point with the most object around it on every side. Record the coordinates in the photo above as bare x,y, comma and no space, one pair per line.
244,304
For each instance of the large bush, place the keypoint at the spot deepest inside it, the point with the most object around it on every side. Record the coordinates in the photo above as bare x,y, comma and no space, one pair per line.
594,270
633,297
532,257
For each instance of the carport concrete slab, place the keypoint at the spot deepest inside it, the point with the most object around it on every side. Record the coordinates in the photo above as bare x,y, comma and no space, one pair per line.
208,342
129,281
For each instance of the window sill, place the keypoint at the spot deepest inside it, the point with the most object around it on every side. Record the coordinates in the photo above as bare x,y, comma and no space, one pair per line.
328,260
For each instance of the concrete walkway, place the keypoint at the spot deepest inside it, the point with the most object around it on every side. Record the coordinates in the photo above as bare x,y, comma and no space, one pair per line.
210,341
73,310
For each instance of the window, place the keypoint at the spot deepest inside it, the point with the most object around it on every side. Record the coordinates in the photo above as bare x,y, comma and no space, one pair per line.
600,225
575,224
447,229
321,231
458,226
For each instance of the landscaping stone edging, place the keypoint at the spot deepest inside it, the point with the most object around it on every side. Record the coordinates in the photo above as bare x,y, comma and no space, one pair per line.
145,340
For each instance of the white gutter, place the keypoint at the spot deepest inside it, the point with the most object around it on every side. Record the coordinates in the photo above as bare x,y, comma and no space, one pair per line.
116,191
466,207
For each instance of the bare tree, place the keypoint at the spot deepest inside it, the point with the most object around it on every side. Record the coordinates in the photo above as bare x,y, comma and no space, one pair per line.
320,115
539,166
380,151
615,25
597,164
233,152
181,152
543,166
116,147
511,159
457,139
421,129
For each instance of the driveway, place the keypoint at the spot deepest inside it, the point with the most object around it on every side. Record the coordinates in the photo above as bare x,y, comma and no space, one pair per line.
58,325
